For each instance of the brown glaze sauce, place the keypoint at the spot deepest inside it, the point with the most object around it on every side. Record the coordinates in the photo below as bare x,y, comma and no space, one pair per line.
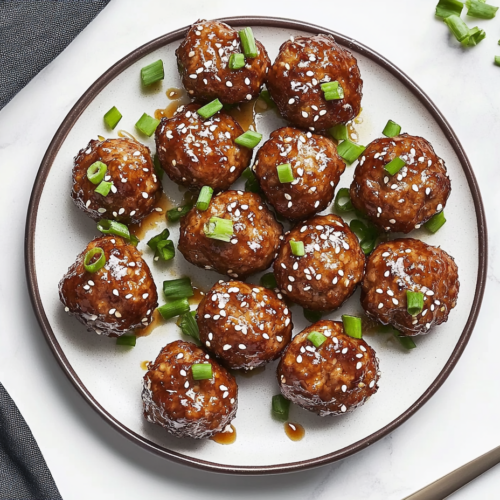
179,97
294,431
197,297
128,135
351,129
153,219
226,437
156,321
145,365
244,114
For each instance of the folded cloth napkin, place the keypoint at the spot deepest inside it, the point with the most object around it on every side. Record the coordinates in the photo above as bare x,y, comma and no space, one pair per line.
33,32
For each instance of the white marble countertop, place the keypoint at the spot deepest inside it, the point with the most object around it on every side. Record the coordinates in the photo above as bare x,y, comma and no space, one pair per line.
88,459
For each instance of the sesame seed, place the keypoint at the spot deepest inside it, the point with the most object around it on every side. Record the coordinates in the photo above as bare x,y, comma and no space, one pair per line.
266,336
112,311
305,114
191,54
343,409
242,346
145,295
344,350
415,188
344,388
299,359
186,384
359,365
145,195
372,383
183,373
396,301
229,84
380,305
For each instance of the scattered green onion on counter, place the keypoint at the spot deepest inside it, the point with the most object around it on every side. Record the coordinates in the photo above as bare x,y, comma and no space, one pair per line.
204,198
94,260
480,9
112,117
497,59
446,8
352,326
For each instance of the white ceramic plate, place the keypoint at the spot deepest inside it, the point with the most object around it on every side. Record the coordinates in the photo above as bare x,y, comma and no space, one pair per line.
110,377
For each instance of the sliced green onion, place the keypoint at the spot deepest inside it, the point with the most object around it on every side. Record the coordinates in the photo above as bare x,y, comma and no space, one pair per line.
406,342
248,43
458,27
352,326
236,61
174,308
316,338
157,166
153,242
266,97
312,316
285,173
339,132
204,198
175,214
152,72
112,117
219,229
249,139
128,340
251,184
414,302
367,234
280,407
202,371
268,280
475,36
117,228
395,165
480,9
178,289
165,250
147,124
93,267
434,224
96,172
297,248
446,8
497,59
343,203
332,90
104,188
188,325
368,245
392,129
349,151
210,109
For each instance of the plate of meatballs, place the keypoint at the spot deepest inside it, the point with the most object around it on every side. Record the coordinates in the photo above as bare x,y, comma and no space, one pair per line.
256,246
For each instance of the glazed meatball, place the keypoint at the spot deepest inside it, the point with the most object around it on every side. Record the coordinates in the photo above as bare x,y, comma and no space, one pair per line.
404,201
330,270
255,240
408,264
119,297
186,407
135,189
203,61
334,378
295,79
244,325
196,152
316,169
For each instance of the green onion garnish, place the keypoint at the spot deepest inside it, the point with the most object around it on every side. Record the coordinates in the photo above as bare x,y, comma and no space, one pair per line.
174,308
312,316
339,132
152,72
285,173
446,8
367,234
280,407
236,61
251,184
204,198
332,90
210,109
249,139
349,151
497,59
178,289
475,36
188,325
158,170
248,42
96,172
175,214
153,242
219,229
480,9
104,188
97,264
268,280
266,97
147,124
406,342
202,371
462,32
128,340
162,246
316,338
297,248
414,302
352,326
434,224
343,203
368,245
112,117
392,129
395,165
117,228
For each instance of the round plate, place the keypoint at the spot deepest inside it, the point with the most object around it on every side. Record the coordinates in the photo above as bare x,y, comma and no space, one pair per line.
109,377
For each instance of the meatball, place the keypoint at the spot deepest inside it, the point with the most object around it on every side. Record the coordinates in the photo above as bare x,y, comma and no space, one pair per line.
186,407
295,79
403,201
334,378
196,152
119,297
244,325
328,273
135,188
253,245
408,264
316,169
203,61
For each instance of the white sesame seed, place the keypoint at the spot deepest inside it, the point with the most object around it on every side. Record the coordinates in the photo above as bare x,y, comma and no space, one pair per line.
229,84
380,305
242,346
372,383
299,359
343,409
344,350
305,114
183,373
359,365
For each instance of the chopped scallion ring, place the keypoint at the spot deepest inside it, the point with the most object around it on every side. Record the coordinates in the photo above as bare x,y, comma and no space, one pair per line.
178,289
352,326
343,203
202,371
339,132
406,342
162,246
147,124
248,43
475,36
152,72
175,214
174,308
395,165
93,264
210,109
367,234
251,184
104,188
236,61
219,229
96,172
128,340
349,151
153,242
414,302
332,91
480,9
112,117
434,224
285,173
312,316
392,129
297,248
446,8
280,407
458,27
497,59
266,97
158,170
268,280
316,338
249,139
204,198
112,227
188,325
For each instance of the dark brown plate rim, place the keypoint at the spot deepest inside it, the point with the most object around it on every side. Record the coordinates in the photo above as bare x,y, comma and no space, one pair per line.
58,140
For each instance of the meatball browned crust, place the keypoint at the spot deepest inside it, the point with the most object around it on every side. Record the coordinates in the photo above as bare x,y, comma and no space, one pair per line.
316,167
135,190
256,235
203,61
295,79
119,297
408,264
404,201
244,325
186,407
195,152
334,378
330,270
